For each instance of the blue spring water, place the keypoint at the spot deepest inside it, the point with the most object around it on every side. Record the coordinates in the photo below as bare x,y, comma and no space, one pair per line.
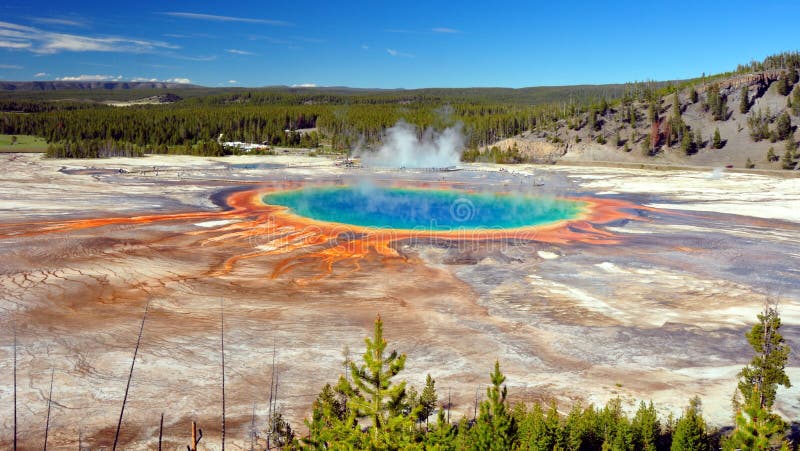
429,209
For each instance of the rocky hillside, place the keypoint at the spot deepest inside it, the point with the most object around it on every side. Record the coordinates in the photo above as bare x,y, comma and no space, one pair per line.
703,124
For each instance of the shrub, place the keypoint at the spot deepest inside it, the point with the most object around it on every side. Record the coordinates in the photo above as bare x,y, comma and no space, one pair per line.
783,126
717,141
744,103
771,156
782,86
717,104
758,122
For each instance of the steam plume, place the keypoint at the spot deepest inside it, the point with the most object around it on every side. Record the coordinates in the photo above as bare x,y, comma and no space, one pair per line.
402,148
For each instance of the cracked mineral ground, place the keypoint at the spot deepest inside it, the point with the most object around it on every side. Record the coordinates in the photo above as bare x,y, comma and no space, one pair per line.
646,295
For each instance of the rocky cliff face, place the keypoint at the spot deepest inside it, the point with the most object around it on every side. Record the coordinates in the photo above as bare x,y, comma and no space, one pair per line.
615,139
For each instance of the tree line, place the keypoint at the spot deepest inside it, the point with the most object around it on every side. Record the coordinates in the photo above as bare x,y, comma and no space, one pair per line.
370,408
344,117
152,127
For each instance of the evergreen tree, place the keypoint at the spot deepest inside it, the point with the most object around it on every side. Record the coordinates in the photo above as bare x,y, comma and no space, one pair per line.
578,428
537,430
717,141
632,116
796,101
783,126
690,430
756,428
441,436
771,155
698,140
676,105
411,402
427,399
646,427
793,77
624,437
646,146
716,103
766,370
652,112
787,162
373,395
688,144
332,423
495,427
464,433
612,426
782,86
758,121
744,102
593,120
280,431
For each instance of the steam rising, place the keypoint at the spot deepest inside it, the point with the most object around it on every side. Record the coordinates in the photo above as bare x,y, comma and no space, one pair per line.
716,174
402,148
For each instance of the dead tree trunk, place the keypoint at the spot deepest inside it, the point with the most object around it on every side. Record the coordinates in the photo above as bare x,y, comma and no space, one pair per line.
222,351
15,384
49,403
197,435
253,432
160,431
130,375
271,397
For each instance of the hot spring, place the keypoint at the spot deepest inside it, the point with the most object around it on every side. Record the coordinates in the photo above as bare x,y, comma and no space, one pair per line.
423,209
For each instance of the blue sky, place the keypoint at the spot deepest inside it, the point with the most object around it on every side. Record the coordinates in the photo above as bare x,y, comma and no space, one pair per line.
389,44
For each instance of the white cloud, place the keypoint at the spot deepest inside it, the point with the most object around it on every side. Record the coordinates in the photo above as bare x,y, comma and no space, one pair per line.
40,74
10,66
14,44
59,21
305,85
216,18
233,82
365,46
239,52
428,31
270,39
35,40
195,58
188,36
56,42
310,40
394,52
84,77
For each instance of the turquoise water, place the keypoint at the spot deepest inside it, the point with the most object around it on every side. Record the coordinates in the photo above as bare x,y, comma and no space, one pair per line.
429,209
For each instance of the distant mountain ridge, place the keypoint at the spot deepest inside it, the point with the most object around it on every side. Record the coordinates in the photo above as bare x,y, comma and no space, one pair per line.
55,85
128,90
